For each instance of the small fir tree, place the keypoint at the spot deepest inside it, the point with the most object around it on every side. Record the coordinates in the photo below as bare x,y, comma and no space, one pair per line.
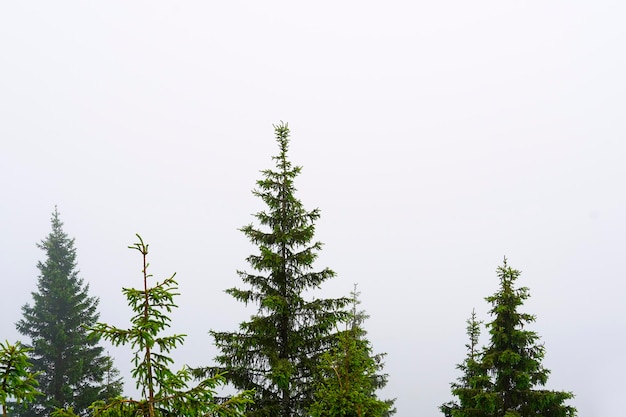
163,391
276,352
71,368
504,381
17,384
349,374
473,387
513,356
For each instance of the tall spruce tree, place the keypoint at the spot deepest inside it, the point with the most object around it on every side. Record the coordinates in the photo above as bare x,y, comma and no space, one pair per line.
512,361
276,352
72,369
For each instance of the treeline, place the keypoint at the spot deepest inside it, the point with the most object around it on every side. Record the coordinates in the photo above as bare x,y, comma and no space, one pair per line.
294,357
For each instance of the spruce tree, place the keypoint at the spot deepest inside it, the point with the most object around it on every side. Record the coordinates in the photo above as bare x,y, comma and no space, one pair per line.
513,356
276,352
473,387
511,362
350,374
72,369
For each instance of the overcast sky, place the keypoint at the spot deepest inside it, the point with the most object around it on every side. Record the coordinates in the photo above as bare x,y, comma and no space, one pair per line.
436,138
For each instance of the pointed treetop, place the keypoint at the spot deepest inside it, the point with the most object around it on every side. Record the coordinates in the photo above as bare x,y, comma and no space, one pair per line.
55,220
281,132
473,331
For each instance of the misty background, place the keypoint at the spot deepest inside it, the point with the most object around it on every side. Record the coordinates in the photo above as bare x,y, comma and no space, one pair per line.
435,137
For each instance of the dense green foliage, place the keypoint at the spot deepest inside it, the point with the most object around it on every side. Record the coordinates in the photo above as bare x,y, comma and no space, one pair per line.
350,375
164,392
17,383
71,368
474,385
276,352
502,380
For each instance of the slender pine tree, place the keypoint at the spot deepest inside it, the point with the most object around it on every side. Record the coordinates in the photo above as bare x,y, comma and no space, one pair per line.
72,369
276,352
350,374
164,392
473,387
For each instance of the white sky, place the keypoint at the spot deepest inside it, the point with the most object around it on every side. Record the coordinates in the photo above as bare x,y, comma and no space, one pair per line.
436,137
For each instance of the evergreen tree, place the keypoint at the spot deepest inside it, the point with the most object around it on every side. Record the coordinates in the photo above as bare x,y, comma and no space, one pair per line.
350,374
512,363
473,388
513,356
163,391
277,351
71,368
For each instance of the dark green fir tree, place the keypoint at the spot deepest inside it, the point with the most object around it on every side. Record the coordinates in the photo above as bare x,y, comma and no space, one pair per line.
276,352
511,362
72,369
514,355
